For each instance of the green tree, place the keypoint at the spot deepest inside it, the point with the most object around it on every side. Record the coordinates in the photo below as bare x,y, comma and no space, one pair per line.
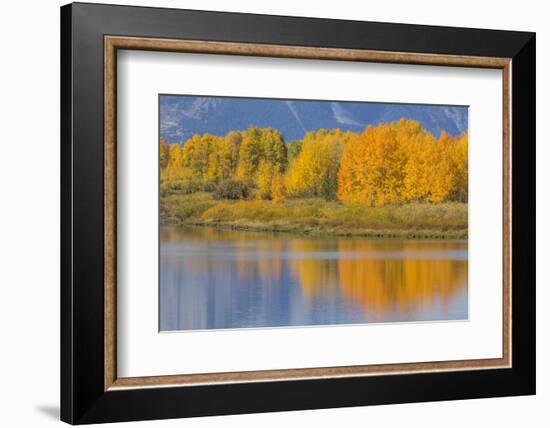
250,154
293,149
164,154
260,146
195,153
274,148
234,140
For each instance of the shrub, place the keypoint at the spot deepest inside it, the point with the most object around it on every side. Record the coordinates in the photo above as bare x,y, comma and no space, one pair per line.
231,189
185,187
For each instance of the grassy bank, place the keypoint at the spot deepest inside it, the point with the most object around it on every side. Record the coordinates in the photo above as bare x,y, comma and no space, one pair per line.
318,217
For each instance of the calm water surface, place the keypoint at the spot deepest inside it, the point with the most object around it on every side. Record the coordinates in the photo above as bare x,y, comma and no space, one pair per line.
213,279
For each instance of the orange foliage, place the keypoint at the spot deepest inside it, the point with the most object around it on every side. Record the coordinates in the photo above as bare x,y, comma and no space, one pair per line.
401,162
391,163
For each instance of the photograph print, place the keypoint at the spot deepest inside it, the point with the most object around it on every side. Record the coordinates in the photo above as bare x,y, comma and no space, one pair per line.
296,213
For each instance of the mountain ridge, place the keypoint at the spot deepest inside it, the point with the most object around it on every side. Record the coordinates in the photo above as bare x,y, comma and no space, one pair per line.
182,116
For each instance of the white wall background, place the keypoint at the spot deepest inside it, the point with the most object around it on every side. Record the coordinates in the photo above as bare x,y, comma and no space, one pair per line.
29,213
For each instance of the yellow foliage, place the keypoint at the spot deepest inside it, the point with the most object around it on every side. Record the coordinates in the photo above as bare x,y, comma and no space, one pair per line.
164,154
391,163
263,179
174,166
313,172
260,144
400,162
278,188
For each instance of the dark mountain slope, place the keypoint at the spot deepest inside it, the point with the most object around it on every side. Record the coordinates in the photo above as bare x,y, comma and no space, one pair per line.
183,116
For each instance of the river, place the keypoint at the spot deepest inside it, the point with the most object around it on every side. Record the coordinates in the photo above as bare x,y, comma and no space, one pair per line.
217,278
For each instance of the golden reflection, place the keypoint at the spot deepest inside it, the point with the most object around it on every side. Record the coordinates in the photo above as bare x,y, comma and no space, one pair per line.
386,279
317,275
401,278
383,276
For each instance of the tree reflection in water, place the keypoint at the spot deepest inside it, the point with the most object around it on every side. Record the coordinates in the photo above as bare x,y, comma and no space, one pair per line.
213,278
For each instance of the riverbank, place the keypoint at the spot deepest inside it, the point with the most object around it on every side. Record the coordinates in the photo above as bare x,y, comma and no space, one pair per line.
318,217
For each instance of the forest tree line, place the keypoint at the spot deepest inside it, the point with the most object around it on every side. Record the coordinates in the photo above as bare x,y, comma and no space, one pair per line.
391,163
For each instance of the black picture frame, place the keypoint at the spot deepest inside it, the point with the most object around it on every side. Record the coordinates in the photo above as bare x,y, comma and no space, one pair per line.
83,398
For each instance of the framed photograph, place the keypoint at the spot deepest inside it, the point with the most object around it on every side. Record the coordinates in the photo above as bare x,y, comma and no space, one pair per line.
265,213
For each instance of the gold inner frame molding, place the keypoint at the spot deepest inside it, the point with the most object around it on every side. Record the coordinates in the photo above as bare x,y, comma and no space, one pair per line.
113,43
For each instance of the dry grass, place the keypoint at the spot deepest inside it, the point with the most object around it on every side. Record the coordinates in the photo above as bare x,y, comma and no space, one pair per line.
317,216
